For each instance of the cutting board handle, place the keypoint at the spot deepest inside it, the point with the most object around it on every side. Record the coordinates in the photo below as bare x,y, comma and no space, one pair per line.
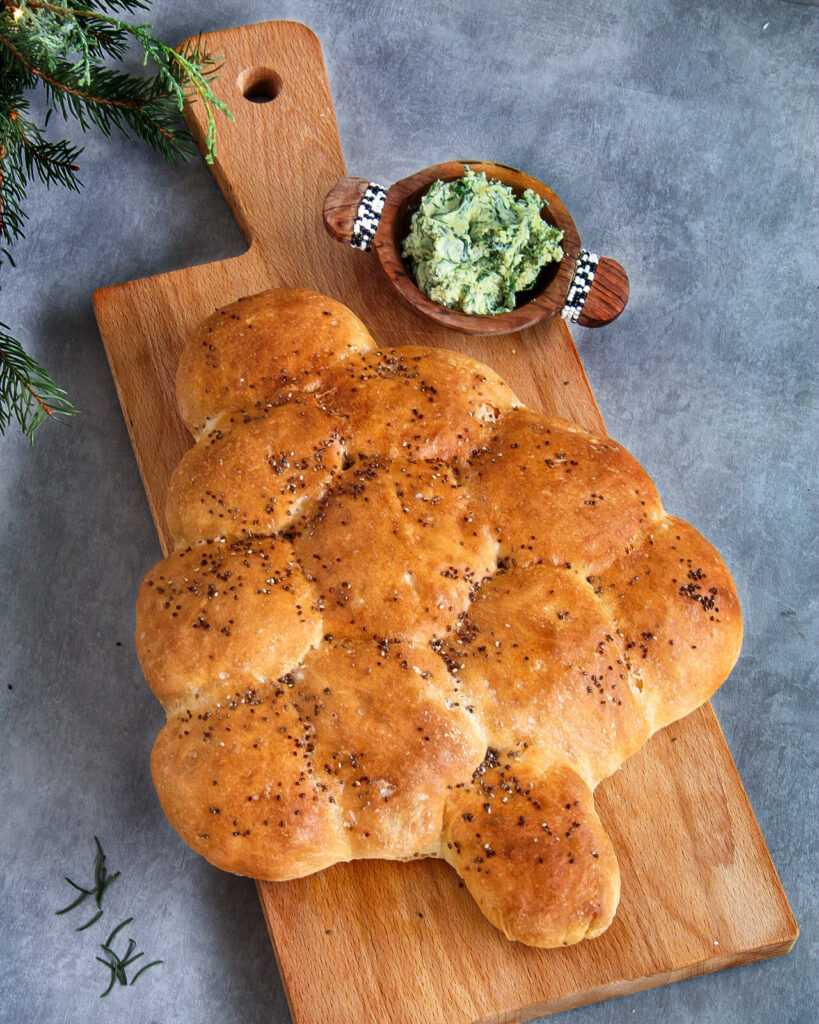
280,153
598,291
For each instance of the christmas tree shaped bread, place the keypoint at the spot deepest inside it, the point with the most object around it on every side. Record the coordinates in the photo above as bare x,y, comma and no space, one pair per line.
407,617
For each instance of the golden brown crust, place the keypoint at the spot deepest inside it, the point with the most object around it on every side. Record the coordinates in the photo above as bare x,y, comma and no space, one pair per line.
254,476
511,834
555,493
408,617
209,612
416,403
261,347
676,611
393,550
538,654
349,756
228,781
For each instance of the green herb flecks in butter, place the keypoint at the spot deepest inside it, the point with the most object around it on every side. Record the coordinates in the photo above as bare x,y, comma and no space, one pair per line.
473,244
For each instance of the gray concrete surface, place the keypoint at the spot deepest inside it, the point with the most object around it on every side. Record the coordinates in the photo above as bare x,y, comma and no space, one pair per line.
681,136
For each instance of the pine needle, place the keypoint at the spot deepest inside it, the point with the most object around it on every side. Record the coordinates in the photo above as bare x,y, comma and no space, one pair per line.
28,395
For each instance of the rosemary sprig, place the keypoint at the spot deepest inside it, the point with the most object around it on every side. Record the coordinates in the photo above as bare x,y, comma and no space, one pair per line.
116,964
101,882
147,967
88,924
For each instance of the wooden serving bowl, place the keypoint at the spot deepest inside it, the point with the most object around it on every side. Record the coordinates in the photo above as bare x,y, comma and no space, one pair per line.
583,288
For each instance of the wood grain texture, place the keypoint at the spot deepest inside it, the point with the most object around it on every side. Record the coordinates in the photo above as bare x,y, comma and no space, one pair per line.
340,208
699,890
608,295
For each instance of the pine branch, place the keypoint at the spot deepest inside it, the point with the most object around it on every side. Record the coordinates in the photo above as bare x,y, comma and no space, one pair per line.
12,192
149,107
62,48
52,162
29,395
109,99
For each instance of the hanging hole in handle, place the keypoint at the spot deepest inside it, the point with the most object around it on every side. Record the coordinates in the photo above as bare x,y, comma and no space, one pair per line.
259,85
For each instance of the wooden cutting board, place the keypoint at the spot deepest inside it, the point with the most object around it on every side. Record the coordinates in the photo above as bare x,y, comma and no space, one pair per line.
402,943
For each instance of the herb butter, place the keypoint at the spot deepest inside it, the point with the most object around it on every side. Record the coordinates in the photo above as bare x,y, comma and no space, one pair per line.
473,245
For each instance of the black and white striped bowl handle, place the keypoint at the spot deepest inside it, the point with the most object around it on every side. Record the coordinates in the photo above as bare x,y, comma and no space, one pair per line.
368,216
581,285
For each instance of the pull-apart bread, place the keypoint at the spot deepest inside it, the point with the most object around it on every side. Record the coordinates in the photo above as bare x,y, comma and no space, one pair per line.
408,617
